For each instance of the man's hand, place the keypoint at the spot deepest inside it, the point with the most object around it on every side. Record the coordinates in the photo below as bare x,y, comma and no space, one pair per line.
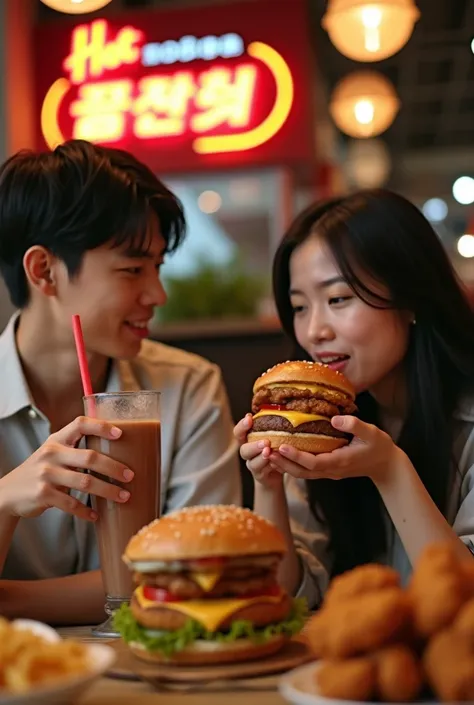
45,479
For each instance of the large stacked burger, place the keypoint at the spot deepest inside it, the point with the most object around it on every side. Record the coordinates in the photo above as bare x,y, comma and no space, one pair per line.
207,590
293,403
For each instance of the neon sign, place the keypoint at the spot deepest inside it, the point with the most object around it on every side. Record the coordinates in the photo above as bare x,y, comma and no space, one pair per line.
214,105
191,48
91,53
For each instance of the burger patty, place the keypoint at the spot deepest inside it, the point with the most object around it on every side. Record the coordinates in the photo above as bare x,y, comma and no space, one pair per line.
161,617
183,586
240,574
235,563
308,406
279,423
337,401
312,406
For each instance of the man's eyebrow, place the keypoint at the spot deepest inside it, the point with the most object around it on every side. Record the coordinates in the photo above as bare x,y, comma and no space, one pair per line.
140,253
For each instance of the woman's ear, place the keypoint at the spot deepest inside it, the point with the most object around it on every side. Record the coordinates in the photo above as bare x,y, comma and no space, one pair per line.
408,317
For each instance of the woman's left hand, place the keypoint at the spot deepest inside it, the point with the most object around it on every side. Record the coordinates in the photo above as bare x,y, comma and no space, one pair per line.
371,453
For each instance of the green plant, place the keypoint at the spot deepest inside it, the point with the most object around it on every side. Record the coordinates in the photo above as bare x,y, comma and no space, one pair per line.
213,292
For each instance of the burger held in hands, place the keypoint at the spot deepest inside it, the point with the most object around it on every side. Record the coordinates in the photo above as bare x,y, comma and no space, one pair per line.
293,403
207,590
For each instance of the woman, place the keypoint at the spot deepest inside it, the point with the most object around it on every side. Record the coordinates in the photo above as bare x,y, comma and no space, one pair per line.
363,283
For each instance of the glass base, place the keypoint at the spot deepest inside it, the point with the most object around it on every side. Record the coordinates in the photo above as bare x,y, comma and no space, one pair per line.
106,630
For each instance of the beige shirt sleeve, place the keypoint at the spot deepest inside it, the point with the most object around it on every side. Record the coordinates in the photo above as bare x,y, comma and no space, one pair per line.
464,518
205,467
311,543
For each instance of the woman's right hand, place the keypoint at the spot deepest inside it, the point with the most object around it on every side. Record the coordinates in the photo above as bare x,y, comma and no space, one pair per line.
45,479
256,455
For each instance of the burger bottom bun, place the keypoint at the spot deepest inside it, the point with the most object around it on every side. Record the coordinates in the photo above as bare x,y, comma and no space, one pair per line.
308,442
201,653
259,613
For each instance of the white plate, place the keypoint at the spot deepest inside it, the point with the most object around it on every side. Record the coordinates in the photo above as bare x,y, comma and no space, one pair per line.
101,658
299,687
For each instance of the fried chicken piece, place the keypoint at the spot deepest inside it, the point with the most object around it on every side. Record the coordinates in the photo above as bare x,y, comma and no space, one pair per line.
353,679
449,666
317,631
371,621
360,625
392,674
438,588
399,674
464,622
467,567
359,581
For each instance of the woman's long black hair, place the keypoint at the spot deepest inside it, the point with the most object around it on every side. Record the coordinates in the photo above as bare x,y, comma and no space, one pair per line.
376,235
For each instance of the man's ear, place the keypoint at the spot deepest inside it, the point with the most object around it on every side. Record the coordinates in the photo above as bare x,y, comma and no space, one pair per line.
39,265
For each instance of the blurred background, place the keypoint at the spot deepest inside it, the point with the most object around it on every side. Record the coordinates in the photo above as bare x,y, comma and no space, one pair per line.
249,110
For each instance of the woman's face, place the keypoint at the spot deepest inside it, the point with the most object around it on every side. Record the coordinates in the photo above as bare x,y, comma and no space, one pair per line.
337,328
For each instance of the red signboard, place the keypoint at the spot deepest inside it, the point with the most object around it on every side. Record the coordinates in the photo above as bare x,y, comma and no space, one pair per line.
186,89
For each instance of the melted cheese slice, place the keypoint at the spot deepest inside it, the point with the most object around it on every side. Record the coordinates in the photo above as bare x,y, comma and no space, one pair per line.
206,580
296,418
210,613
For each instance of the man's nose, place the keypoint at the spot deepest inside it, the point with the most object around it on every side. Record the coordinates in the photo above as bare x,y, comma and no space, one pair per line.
155,294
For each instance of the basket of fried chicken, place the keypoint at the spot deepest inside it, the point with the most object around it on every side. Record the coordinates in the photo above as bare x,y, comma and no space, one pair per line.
378,641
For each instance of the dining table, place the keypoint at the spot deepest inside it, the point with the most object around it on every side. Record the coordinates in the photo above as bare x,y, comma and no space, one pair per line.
124,691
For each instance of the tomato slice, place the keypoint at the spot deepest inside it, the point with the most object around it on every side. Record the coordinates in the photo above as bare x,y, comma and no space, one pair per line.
275,407
159,594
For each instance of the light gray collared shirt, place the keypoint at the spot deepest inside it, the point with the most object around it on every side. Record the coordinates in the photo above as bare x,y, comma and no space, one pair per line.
311,538
199,459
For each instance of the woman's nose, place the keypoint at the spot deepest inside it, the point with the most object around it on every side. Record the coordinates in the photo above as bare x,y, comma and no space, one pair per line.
320,329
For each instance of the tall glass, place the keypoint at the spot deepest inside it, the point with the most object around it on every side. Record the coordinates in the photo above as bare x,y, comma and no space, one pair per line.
137,414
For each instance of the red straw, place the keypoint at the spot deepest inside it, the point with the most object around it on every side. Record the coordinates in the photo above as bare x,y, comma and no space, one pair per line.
81,355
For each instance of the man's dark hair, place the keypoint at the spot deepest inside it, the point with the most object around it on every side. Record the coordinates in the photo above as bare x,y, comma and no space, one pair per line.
74,199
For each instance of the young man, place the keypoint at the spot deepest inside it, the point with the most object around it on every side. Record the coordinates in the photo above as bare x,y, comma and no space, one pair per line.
85,230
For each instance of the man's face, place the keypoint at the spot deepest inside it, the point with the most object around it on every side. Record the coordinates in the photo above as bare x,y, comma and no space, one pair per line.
115,294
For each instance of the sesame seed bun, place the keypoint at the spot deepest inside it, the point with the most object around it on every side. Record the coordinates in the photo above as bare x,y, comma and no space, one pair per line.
302,371
211,652
204,532
307,442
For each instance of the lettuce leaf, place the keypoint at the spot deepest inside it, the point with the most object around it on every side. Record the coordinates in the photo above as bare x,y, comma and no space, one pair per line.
172,642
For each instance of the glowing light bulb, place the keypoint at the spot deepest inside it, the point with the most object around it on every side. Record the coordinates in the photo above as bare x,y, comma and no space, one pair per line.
364,112
466,245
371,17
463,190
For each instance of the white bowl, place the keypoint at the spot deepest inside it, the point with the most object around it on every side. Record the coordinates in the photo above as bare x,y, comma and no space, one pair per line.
66,690
38,628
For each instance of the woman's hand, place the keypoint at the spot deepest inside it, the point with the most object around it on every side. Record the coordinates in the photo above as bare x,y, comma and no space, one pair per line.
257,455
46,477
371,453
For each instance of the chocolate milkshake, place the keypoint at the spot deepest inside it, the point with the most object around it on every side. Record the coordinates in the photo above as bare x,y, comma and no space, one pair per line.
138,448
137,415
